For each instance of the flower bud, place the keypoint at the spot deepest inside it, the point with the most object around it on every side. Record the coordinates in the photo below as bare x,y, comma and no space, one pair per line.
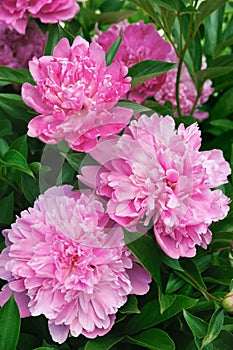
227,302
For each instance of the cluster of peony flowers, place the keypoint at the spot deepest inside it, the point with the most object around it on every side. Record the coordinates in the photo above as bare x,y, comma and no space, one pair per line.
76,95
15,13
153,174
150,45
64,259
16,50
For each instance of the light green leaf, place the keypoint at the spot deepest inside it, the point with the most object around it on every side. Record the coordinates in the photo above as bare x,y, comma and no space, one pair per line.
154,339
10,325
215,327
148,69
112,51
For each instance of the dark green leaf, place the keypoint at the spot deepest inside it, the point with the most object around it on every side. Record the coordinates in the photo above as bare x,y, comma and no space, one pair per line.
144,248
213,30
15,108
131,306
3,147
30,188
148,69
196,324
174,283
154,339
74,159
15,76
102,343
10,325
7,208
222,124
21,146
113,17
158,108
214,327
206,8
224,341
6,128
112,51
192,272
14,159
150,314
53,38
165,301
210,73
149,7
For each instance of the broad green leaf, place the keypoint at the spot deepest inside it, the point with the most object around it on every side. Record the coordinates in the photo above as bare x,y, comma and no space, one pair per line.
14,159
15,76
30,188
21,145
224,106
3,147
165,109
196,324
224,341
144,248
102,343
112,51
74,159
53,38
150,315
192,272
172,263
174,283
213,30
148,69
165,301
222,124
15,108
210,73
7,209
6,128
222,45
154,339
134,106
113,17
109,6
131,306
10,325
206,8
214,327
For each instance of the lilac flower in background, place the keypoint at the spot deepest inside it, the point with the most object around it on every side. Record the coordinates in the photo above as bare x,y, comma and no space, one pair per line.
15,13
155,174
16,50
75,95
140,42
64,260
150,45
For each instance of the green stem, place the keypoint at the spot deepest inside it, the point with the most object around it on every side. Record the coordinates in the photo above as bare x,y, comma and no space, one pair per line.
204,291
178,86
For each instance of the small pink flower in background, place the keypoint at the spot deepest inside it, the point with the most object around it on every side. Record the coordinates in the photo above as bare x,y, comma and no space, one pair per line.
75,95
63,261
187,90
15,13
155,173
140,42
16,50
150,45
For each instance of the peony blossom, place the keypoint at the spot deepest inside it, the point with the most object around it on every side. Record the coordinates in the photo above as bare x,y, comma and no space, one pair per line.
16,50
187,90
149,45
153,174
75,95
63,260
15,13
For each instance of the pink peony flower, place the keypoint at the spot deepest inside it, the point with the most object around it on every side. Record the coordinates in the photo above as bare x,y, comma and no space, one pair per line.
62,261
15,13
16,50
187,90
149,45
153,173
75,95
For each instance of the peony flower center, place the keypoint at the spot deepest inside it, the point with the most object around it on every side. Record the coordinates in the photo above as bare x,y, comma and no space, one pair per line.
172,178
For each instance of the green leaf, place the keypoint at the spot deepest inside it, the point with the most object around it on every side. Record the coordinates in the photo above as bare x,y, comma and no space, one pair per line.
134,106
3,147
15,108
224,105
154,339
15,76
149,7
144,248
213,30
10,325
113,17
158,108
150,315
53,38
30,188
14,159
174,283
74,159
7,209
210,73
165,301
112,51
131,306
102,343
206,8
20,145
148,69
6,128
215,327
224,341
222,124
192,272
196,324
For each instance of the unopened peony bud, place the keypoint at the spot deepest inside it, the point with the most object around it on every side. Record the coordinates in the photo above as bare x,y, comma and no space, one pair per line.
227,302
